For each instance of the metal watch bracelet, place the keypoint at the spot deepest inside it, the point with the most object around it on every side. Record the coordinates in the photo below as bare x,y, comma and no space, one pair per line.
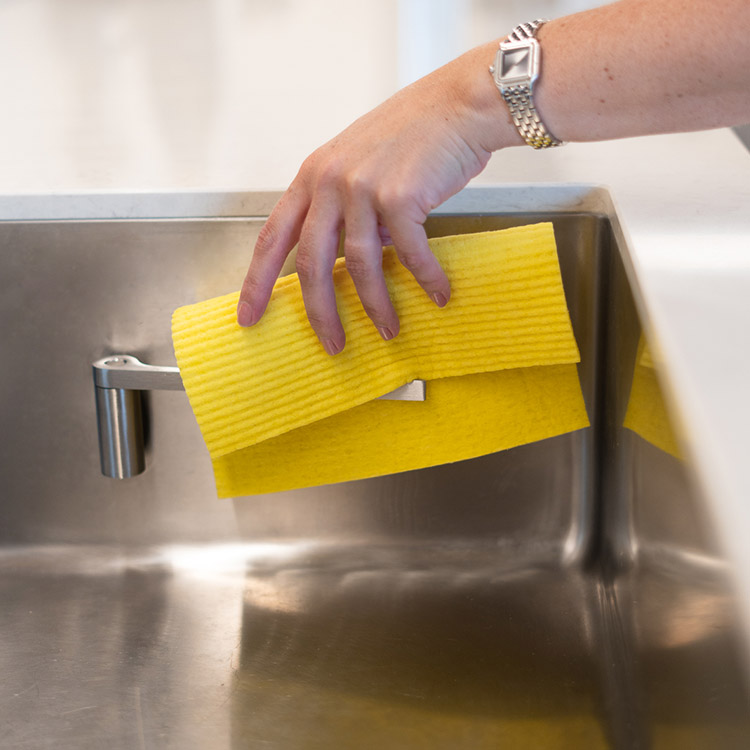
519,94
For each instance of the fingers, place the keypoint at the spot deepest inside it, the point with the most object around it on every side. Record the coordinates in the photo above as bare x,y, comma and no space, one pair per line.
317,230
276,239
410,242
313,212
316,254
363,249
385,235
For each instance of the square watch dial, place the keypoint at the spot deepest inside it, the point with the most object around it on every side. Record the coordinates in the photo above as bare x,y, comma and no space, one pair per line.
516,63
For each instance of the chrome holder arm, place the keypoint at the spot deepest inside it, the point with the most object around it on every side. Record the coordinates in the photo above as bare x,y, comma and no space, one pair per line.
127,371
119,380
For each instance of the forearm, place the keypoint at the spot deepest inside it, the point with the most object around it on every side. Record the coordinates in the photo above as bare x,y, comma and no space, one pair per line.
640,67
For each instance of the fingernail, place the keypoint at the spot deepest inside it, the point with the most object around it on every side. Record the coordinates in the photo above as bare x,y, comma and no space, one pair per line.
439,299
330,347
386,333
246,315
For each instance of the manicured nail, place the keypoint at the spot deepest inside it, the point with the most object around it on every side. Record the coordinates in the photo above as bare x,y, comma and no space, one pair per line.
439,299
246,315
386,333
330,347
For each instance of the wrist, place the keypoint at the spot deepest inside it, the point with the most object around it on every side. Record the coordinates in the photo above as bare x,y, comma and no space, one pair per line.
489,123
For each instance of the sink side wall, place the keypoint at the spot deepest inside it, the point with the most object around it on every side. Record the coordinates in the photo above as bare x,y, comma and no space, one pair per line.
72,292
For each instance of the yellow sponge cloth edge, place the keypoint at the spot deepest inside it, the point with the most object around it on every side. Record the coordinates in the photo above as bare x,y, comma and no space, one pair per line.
278,413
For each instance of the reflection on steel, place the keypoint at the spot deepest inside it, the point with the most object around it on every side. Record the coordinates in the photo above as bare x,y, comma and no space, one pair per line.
119,416
127,371
118,381
566,593
414,390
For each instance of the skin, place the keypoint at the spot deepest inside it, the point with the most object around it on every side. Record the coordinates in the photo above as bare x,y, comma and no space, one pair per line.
635,67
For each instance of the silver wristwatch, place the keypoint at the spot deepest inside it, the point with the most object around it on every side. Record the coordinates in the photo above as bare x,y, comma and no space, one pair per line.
516,68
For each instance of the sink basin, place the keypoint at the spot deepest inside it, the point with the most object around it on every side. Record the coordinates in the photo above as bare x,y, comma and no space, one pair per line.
567,593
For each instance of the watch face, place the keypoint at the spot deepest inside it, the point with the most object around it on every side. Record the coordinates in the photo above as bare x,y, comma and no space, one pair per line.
516,63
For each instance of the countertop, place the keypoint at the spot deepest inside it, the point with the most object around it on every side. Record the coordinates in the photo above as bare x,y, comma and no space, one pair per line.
98,142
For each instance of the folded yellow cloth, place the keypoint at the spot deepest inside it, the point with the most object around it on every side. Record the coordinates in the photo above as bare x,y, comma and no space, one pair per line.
278,413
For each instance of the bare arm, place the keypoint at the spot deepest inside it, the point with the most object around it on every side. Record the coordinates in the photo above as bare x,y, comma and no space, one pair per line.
649,66
635,67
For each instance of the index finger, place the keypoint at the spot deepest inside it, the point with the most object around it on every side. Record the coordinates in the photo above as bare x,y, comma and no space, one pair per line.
275,241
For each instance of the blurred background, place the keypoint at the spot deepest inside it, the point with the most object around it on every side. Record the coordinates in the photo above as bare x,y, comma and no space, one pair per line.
211,94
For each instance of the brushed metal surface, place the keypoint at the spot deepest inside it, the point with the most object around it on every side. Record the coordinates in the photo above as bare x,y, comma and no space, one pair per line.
568,593
105,287
119,421
133,274
128,372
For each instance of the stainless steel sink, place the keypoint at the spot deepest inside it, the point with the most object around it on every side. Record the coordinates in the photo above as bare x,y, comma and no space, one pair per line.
565,594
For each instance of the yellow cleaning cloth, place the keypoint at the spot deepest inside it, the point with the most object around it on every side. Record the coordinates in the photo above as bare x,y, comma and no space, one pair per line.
278,413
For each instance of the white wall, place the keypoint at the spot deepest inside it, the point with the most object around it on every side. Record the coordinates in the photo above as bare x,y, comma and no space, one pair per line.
131,94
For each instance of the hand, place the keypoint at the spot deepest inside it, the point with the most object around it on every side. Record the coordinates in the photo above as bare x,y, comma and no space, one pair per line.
378,180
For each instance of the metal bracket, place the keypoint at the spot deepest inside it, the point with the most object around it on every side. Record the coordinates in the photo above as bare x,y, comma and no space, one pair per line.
118,381
127,371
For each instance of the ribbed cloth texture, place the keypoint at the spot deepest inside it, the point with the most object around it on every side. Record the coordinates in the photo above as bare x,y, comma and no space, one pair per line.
256,385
